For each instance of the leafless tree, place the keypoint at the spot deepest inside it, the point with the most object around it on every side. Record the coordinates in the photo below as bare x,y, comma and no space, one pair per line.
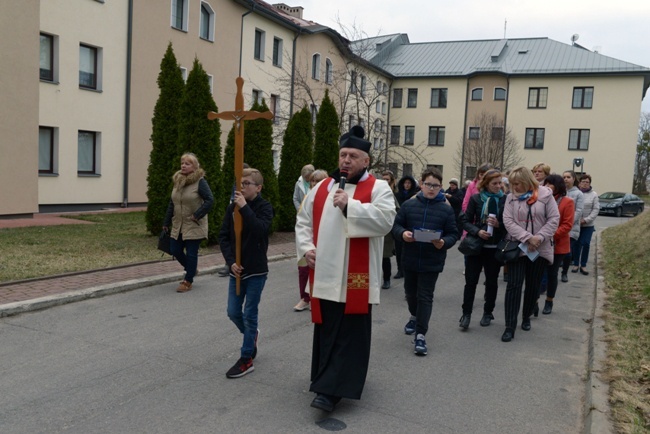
488,142
642,161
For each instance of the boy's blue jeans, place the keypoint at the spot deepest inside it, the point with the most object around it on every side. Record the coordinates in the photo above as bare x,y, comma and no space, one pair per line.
246,319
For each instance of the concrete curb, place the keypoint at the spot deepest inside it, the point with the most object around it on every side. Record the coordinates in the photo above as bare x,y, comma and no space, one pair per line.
49,301
598,411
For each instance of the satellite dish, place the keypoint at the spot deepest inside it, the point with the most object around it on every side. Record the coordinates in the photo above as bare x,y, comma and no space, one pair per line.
575,37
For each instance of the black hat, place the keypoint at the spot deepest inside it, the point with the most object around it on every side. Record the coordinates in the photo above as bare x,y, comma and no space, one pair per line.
354,139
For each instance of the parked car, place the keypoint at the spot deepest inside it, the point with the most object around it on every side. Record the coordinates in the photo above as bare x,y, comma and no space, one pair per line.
620,203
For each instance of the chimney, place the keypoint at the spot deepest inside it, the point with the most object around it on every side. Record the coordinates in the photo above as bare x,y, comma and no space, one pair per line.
294,11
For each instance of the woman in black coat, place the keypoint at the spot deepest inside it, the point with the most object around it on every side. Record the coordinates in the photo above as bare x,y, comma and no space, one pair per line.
406,189
484,213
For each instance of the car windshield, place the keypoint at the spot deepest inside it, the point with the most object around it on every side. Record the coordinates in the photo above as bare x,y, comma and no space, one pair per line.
611,195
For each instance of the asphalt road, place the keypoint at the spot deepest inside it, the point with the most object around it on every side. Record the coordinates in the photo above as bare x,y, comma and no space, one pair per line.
154,361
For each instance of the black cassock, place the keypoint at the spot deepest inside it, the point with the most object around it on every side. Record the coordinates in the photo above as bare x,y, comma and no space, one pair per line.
341,351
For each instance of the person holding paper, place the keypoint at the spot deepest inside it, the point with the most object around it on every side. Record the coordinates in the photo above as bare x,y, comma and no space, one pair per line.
427,225
530,217
484,219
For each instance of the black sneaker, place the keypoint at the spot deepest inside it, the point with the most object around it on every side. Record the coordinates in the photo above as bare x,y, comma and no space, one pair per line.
257,335
464,321
398,275
565,277
420,346
241,368
409,328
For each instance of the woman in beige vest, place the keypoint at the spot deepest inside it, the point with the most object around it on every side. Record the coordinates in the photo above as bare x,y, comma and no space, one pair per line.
186,214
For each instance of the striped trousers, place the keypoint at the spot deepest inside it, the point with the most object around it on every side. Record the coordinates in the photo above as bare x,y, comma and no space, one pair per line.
519,272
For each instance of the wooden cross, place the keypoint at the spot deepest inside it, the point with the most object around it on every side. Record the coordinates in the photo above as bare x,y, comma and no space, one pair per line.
239,116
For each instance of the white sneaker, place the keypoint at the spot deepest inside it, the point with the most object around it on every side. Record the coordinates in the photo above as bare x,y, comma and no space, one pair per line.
302,305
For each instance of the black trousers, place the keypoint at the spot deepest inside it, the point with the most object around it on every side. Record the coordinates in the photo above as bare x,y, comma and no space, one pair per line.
473,265
552,271
340,352
386,268
398,254
521,271
419,289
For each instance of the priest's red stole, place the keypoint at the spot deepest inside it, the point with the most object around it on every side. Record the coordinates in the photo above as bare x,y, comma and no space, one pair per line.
358,279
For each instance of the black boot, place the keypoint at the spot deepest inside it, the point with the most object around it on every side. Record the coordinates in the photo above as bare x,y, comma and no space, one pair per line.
508,335
548,307
486,320
525,324
464,321
536,310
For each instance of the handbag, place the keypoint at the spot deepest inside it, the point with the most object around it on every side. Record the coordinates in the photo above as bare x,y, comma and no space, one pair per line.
471,245
164,242
507,251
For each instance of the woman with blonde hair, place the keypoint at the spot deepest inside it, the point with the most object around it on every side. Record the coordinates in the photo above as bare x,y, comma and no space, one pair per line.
531,218
189,205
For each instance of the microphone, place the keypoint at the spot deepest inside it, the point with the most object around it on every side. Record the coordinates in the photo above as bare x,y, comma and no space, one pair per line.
344,178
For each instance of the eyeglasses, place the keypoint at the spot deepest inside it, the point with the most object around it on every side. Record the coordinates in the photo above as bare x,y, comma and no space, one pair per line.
431,186
247,183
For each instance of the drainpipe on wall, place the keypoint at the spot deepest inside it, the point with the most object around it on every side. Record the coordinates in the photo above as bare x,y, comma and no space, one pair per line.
505,123
388,102
293,73
462,153
127,110
241,35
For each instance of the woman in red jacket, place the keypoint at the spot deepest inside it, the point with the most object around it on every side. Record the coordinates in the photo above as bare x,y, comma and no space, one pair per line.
566,206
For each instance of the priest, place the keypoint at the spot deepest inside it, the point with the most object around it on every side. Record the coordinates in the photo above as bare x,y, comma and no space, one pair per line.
340,235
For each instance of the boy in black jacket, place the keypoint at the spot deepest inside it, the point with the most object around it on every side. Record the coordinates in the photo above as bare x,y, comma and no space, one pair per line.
257,215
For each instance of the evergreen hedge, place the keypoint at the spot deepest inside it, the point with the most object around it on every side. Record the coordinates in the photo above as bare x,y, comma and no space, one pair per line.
327,133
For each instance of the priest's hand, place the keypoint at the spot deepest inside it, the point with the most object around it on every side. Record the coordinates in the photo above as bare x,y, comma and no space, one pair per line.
340,199
310,256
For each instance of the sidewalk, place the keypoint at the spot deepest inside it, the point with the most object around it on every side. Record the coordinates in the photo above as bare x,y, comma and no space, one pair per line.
34,294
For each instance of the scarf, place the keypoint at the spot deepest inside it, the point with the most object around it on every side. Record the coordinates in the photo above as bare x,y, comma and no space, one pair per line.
490,203
586,190
530,197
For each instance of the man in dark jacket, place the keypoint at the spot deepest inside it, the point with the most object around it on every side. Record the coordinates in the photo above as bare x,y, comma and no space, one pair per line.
455,197
257,215
427,226
406,189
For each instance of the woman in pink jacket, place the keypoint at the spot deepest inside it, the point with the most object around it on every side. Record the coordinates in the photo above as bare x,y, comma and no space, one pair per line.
472,188
531,217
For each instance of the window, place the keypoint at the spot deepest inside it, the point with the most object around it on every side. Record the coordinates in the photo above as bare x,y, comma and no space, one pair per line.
87,153
257,96
277,52
437,167
397,98
353,81
534,138
497,134
47,57
385,89
179,14
474,133
314,113
206,30
260,37
537,97
378,107
184,73
477,94
362,123
377,126
211,83
438,98
315,66
383,108
88,70
376,143
412,100
394,135
409,135
499,94
363,85
275,108
47,150
351,121
393,167
582,97
407,169
328,71
579,140
436,136
470,172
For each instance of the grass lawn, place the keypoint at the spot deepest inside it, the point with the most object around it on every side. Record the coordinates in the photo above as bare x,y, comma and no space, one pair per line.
627,277
114,239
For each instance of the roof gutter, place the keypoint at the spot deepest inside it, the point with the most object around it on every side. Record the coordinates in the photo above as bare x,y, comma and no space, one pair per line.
241,35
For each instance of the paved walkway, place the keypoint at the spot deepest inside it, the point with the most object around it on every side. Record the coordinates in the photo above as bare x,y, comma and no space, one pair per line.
34,294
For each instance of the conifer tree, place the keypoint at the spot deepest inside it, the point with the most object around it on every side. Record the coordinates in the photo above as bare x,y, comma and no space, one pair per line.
326,140
163,161
296,153
258,154
200,136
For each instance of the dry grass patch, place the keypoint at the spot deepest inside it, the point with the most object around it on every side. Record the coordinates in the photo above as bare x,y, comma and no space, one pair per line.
627,278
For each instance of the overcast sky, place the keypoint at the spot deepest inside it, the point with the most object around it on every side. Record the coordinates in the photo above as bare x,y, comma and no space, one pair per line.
619,29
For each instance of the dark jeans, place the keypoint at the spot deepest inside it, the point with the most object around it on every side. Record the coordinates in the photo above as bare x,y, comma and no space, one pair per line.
419,289
581,254
303,280
474,264
520,271
552,271
569,256
385,267
186,253
398,254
